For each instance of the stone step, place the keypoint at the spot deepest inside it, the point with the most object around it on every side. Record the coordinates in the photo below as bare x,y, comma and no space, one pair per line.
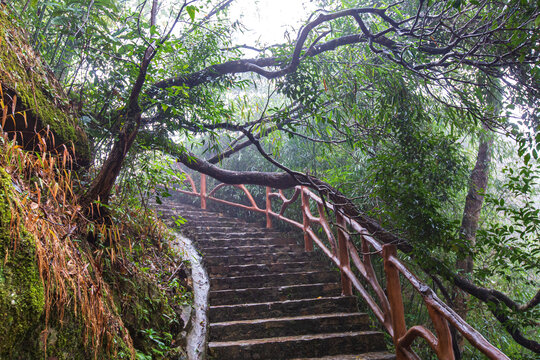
229,227
257,259
210,220
247,241
205,215
253,269
222,313
202,218
273,294
218,235
249,250
204,221
365,356
302,345
193,224
288,326
251,281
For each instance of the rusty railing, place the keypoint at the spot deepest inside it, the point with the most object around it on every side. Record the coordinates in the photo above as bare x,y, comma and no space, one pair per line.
389,309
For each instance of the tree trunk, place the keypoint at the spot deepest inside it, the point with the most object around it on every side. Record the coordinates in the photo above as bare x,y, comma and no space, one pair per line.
101,186
471,213
473,205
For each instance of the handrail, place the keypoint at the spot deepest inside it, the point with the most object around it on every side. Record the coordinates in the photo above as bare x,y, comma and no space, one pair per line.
343,252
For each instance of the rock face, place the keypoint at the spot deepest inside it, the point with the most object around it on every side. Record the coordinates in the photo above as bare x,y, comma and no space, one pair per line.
271,300
40,102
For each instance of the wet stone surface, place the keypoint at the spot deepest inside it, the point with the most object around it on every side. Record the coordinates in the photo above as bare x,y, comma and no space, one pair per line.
268,299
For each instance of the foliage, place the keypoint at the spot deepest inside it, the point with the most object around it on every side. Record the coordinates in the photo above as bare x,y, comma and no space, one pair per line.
418,171
381,103
44,207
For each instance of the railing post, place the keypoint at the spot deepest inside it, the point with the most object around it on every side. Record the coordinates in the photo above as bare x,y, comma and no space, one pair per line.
394,298
308,242
268,208
203,191
344,260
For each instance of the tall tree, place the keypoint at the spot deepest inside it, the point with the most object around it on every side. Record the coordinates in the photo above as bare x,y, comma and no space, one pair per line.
478,184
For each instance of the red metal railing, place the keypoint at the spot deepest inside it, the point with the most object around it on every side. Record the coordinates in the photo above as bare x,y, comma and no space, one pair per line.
343,252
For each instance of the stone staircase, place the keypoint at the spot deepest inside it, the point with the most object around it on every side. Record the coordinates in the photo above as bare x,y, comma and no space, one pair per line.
271,300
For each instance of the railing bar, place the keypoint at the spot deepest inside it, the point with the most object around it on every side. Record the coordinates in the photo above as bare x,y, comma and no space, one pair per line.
290,221
326,227
236,204
363,232
371,303
444,350
219,186
248,194
313,218
374,283
323,246
344,256
283,198
372,278
356,259
188,192
318,199
470,333
418,331
190,180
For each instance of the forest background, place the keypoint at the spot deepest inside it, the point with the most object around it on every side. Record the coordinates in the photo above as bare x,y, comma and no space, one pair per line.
419,117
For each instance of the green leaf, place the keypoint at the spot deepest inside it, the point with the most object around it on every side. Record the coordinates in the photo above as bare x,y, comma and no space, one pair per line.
527,158
191,11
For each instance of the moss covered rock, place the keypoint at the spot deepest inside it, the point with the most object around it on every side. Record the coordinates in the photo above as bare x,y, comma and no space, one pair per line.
40,100
24,333
21,289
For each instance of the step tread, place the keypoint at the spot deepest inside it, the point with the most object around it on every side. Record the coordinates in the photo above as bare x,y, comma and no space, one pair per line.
274,293
240,267
308,337
276,274
270,303
282,287
384,355
302,253
288,318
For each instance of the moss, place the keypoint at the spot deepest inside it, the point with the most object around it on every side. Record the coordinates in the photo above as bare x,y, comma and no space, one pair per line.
66,341
39,93
21,289
22,300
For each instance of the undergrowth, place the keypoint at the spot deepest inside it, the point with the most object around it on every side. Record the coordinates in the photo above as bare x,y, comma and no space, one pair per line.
124,268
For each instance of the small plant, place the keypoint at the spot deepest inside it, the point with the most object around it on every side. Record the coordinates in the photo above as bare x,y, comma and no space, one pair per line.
179,221
162,343
182,296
